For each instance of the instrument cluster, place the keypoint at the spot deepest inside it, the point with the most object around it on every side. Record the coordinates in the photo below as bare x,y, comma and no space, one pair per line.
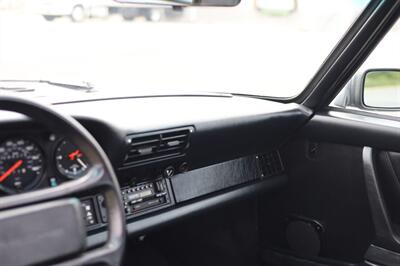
38,160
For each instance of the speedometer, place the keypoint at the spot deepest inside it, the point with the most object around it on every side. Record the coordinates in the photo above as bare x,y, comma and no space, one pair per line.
21,165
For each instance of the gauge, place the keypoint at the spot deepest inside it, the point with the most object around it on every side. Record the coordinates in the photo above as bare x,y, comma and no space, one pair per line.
70,161
21,165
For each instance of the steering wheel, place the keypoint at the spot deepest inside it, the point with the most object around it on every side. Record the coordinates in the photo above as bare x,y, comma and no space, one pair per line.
47,226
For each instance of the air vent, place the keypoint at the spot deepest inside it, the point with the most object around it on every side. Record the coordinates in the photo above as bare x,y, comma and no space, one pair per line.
271,164
156,146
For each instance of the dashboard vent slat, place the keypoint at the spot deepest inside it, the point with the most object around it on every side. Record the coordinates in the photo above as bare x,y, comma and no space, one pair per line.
156,146
145,142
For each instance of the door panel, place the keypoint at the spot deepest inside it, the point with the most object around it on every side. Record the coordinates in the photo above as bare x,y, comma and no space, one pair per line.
326,185
388,169
344,174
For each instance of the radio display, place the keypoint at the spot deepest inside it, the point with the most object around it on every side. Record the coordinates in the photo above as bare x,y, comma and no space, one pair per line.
141,194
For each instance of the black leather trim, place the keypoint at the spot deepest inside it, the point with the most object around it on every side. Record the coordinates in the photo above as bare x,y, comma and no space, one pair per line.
385,235
386,246
354,129
380,256
210,179
389,175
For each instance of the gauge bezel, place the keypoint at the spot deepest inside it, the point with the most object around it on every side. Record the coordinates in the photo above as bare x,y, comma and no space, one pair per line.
38,180
68,177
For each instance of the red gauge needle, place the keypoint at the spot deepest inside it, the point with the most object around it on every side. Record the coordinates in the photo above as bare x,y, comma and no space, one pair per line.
74,154
10,170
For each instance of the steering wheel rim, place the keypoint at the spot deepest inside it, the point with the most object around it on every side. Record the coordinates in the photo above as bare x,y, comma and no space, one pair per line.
101,177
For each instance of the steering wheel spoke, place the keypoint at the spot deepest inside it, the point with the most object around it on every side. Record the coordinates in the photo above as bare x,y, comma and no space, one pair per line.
96,178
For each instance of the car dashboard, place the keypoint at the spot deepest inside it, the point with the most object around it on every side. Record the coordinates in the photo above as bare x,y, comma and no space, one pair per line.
173,155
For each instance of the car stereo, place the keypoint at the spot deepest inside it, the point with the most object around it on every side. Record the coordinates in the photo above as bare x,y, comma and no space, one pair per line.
138,199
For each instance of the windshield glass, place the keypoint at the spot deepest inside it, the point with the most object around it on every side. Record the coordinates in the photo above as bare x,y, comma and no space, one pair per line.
260,47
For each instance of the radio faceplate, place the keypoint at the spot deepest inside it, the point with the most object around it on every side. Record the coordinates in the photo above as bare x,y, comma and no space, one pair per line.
145,197
141,198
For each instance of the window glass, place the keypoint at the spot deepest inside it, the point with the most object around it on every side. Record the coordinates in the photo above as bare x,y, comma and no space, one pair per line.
260,47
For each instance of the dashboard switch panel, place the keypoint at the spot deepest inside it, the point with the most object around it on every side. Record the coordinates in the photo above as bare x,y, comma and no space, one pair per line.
89,212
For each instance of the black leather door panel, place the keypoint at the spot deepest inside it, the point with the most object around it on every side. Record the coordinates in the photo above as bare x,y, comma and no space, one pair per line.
388,167
325,184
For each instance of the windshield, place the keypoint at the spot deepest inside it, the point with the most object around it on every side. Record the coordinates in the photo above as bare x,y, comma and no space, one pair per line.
260,47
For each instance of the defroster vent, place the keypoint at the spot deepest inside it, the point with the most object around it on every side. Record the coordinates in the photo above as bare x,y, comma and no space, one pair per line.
156,146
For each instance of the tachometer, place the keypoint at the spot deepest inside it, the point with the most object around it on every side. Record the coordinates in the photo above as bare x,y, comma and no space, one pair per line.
70,161
21,165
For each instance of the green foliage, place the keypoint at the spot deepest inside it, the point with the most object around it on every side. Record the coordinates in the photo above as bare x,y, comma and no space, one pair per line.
382,79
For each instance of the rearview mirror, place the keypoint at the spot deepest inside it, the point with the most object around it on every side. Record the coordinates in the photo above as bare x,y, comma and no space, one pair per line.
381,88
222,3
276,7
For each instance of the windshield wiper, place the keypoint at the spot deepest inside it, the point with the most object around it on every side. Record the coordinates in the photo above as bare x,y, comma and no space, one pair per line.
16,89
81,86
243,95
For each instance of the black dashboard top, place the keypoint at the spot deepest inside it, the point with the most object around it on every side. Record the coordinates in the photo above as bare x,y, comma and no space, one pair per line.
224,127
134,115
